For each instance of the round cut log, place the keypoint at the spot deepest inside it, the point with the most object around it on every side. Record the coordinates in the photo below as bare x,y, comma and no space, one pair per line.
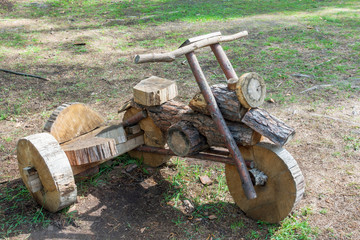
71,120
42,153
251,90
283,189
184,139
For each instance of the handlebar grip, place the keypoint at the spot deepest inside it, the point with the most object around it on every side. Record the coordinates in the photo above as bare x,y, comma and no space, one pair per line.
170,56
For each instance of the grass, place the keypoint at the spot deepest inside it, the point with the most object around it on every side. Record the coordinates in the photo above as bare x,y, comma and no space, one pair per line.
171,10
16,200
322,43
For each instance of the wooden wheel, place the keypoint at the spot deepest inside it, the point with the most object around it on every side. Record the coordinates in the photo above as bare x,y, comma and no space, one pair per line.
153,136
71,120
46,171
282,191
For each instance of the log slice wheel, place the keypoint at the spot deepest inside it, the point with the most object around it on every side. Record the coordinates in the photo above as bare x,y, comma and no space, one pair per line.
153,136
42,154
282,191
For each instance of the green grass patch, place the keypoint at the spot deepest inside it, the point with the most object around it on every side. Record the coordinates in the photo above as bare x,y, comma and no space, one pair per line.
148,11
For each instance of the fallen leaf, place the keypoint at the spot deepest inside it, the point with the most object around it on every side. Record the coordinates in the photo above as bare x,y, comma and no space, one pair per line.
205,180
212,217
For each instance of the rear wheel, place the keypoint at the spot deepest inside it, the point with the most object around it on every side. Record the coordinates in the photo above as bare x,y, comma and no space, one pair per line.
46,171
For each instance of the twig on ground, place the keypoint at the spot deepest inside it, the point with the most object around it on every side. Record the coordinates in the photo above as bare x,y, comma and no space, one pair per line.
298,75
331,59
24,74
316,87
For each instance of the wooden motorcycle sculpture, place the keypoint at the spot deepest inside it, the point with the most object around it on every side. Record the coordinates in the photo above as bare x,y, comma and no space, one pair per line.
222,123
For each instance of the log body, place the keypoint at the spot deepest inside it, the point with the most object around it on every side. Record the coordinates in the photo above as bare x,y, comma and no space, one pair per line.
269,126
172,112
226,99
184,139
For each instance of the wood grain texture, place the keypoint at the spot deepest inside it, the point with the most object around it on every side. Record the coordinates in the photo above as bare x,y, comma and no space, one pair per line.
130,144
43,153
154,91
184,139
89,150
153,136
281,193
251,90
269,126
226,99
170,56
71,120
172,112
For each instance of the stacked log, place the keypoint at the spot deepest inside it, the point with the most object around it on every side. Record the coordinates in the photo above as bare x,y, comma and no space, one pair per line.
257,119
189,129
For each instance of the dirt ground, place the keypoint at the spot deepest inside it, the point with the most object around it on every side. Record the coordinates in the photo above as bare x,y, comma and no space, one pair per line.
326,145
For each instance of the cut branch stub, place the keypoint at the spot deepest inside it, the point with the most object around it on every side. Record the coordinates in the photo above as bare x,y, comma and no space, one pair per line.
71,120
251,90
184,139
41,152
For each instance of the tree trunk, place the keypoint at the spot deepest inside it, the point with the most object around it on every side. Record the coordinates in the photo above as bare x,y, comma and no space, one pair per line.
226,99
184,139
269,126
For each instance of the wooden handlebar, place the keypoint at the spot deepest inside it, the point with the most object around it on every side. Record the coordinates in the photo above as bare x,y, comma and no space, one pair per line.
170,56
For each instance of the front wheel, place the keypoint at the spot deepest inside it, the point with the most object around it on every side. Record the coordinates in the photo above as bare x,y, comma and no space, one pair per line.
283,190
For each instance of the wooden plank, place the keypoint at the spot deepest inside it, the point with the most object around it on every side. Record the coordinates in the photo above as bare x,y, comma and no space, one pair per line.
88,150
116,132
132,143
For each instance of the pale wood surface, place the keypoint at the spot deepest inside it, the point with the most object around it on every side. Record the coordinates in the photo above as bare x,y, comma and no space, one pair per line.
199,38
88,150
71,120
154,91
153,136
132,142
269,126
170,56
283,190
251,90
43,153
33,180
226,99
232,83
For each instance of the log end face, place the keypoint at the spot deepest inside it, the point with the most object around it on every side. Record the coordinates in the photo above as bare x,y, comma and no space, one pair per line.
251,90
137,59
